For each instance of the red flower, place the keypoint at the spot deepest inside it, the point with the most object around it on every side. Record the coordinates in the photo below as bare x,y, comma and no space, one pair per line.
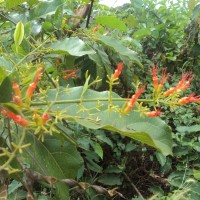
16,118
189,99
154,113
131,102
118,70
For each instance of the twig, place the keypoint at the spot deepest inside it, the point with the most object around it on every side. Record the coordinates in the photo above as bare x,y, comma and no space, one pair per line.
133,185
9,134
50,79
89,14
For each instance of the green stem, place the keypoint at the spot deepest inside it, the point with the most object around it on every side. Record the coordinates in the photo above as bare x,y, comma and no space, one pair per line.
12,156
110,96
39,103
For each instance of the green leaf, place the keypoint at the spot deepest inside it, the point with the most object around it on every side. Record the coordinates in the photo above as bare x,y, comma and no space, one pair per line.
196,174
14,186
119,47
98,149
19,33
58,17
13,3
141,33
189,129
71,46
161,158
53,158
137,3
196,13
94,114
44,8
2,74
6,90
47,26
110,179
111,22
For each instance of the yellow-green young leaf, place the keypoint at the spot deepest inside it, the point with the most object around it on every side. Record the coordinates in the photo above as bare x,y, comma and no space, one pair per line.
112,22
19,33
14,3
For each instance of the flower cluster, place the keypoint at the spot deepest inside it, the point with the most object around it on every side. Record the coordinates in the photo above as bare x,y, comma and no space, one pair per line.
171,94
183,84
17,98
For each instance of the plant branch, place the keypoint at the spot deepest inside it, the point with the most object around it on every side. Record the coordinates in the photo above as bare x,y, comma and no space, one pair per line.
89,14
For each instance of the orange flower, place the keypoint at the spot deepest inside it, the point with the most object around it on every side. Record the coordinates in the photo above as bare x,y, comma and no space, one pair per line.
155,77
164,77
189,99
16,89
16,118
72,73
96,28
130,104
17,100
154,113
30,90
57,62
118,70
183,84
45,117
185,81
38,75
33,85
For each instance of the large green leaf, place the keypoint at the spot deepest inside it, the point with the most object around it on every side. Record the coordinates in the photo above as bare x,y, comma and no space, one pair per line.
119,47
112,22
53,158
44,8
71,46
93,113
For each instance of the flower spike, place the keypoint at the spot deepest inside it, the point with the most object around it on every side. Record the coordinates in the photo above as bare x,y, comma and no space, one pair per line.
130,104
33,85
158,86
189,99
154,113
118,70
154,76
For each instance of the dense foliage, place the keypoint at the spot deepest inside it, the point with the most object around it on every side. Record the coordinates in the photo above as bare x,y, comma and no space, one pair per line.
97,102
